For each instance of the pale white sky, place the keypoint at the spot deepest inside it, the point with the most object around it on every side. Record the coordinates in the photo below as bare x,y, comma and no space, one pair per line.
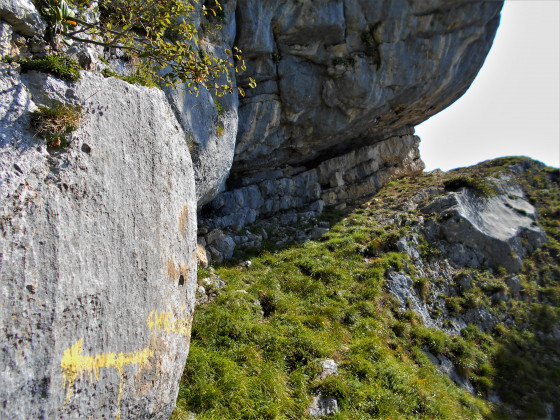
513,106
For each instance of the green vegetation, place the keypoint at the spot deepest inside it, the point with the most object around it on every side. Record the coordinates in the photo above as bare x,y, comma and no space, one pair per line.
216,11
371,43
54,124
219,107
479,186
139,77
161,35
59,66
319,300
255,350
348,61
220,130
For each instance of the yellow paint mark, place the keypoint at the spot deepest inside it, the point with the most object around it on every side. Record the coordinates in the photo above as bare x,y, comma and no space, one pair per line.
183,223
166,321
75,364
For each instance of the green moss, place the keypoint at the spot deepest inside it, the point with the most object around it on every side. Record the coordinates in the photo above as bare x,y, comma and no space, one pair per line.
137,78
59,66
219,107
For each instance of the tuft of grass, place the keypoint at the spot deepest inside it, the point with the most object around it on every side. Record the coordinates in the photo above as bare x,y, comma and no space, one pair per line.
54,124
478,186
60,66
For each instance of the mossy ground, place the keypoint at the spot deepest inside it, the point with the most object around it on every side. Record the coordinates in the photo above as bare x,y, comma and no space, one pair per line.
326,299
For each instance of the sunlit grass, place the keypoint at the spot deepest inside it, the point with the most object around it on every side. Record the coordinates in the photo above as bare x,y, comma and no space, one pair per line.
255,350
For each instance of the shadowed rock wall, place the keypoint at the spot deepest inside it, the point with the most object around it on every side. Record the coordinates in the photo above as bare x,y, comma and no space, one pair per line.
335,75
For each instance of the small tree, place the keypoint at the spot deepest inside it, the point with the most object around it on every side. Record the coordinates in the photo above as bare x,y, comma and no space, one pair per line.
161,33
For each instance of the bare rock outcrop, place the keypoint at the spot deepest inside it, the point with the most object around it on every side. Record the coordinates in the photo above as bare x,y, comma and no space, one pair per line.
496,231
22,17
97,253
210,122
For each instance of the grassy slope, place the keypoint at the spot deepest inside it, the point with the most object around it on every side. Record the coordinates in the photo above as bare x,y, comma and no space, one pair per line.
326,299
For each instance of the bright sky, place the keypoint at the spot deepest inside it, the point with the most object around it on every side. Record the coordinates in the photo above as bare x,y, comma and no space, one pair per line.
513,106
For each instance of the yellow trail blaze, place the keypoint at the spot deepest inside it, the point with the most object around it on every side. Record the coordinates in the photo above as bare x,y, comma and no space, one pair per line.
74,363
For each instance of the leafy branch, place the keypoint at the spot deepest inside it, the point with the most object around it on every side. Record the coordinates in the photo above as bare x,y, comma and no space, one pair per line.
161,33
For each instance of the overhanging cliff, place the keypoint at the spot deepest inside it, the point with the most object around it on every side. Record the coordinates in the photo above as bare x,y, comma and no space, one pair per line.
98,240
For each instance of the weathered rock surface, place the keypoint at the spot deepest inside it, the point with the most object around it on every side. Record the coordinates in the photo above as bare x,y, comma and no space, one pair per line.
97,253
446,367
22,16
435,314
323,406
496,231
210,134
335,75
297,192
328,368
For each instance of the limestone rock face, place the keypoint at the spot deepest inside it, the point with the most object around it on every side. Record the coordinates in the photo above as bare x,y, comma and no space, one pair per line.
341,85
210,122
210,133
97,253
335,75
298,192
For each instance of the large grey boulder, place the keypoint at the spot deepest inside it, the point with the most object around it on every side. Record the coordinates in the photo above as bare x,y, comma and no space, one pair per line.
97,253
335,75
496,231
